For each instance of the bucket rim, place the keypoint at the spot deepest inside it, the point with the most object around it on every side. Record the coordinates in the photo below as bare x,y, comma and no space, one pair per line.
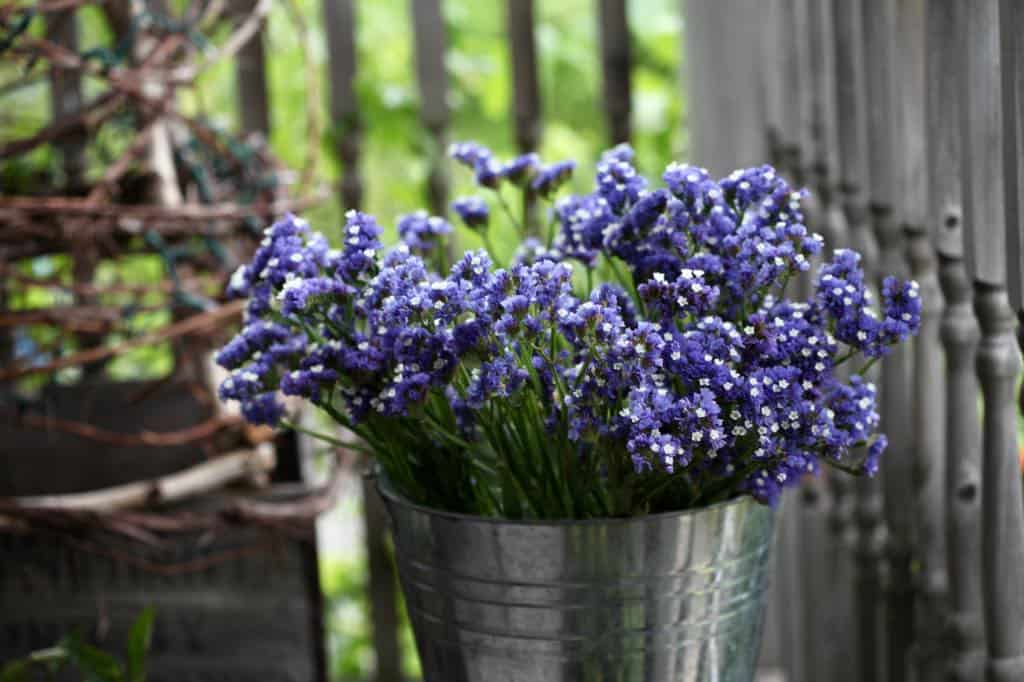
388,491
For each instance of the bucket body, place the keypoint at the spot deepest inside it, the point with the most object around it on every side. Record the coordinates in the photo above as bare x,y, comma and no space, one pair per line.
667,597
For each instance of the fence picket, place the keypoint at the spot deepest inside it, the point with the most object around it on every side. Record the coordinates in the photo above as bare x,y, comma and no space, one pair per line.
928,440
616,69
526,102
895,394
251,81
432,77
998,360
346,121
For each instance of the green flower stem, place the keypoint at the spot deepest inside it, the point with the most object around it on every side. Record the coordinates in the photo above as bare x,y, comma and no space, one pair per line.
508,212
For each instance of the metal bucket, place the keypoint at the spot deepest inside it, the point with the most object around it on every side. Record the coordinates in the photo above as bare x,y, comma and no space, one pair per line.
676,596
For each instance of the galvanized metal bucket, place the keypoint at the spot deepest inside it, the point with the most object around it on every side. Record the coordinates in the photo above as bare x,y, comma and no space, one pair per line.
676,596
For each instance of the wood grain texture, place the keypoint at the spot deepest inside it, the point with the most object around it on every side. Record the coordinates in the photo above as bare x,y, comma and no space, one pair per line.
850,97
878,20
726,130
984,196
944,38
960,334
1012,55
998,366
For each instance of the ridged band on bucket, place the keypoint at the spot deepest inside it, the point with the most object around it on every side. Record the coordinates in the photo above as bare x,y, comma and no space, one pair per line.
668,597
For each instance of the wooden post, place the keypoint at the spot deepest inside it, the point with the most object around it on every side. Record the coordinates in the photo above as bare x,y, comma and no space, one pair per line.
998,361
769,81
959,334
615,68
827,509
725,121
251,81
897,469
929,437
851,96
429,34
345,117
526,106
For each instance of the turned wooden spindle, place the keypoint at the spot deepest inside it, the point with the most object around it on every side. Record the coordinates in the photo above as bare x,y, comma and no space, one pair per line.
828,501
998,358
927,443
998,366
866,509
895,391
960,334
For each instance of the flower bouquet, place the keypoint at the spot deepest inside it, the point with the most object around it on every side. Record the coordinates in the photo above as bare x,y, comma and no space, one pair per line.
640,375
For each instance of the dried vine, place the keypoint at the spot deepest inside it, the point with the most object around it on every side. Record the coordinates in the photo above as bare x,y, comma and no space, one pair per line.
180,188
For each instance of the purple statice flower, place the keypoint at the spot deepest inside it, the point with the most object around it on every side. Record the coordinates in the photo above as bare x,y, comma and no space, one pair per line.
263,408
520,170
473,211
618,183
533,250
550,178
901,306
422,232
875,450
574,214
296,294
361,245
469,154
702,373
688,295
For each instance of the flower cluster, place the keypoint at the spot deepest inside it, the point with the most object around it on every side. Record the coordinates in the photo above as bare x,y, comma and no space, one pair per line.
685,377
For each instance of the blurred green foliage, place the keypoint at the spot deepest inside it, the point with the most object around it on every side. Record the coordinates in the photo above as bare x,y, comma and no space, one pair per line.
396,148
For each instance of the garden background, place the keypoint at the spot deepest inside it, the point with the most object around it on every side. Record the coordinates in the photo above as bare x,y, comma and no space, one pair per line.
394,164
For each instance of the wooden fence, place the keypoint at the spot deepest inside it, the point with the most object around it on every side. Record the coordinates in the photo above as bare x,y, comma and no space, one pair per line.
904,118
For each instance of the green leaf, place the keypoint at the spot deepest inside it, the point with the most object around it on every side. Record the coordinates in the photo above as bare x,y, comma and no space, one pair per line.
94,664
138,645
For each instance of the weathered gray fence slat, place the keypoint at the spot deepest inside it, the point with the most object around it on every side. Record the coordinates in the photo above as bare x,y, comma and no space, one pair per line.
852,120
768,78
1013,79
526,102
346,121
724,114
803,530
432,77
998,361
928,432
616,67
824,166
960,333
251,81
895,393
854,184
831,577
